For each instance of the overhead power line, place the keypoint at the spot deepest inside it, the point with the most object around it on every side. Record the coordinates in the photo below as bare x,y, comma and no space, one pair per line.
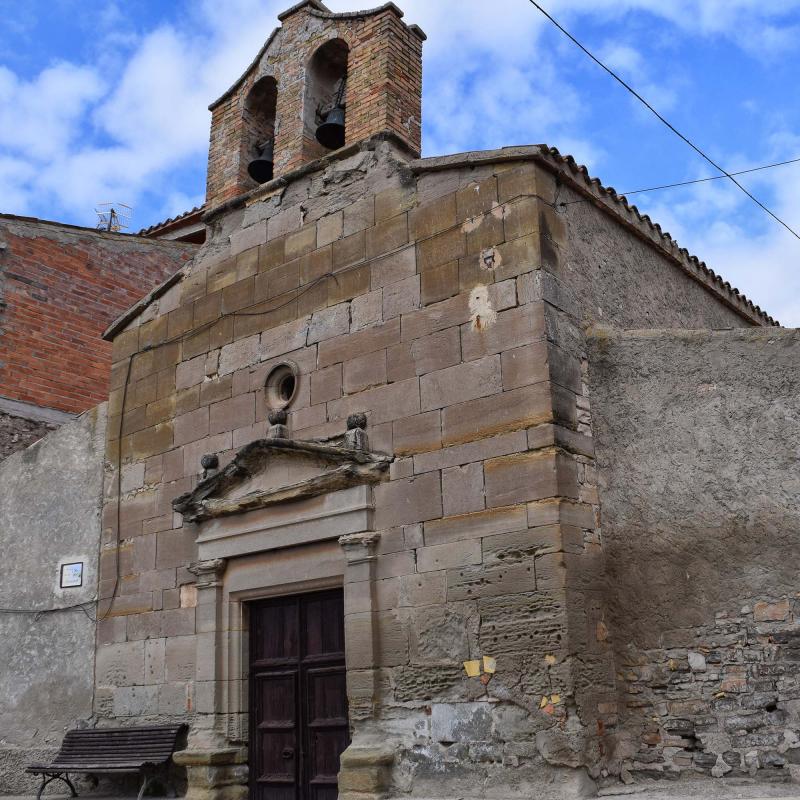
697,180
666,122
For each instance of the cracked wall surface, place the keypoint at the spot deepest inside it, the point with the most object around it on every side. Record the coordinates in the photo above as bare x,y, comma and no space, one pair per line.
697,435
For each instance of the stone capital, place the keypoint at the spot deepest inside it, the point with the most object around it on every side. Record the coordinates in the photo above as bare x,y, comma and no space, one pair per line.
359,547
209,573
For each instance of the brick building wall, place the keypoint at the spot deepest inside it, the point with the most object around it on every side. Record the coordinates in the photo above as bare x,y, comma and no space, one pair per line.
60,287
384,91
428,295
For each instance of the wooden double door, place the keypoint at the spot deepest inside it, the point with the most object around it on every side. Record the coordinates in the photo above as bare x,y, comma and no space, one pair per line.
298,697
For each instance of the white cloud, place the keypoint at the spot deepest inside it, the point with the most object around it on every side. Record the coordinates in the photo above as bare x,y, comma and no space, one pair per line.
40,119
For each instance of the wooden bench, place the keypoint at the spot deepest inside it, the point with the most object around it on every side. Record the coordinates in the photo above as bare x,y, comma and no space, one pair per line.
96,751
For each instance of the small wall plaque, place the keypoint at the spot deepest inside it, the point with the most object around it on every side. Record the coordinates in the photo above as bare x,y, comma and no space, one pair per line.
71,575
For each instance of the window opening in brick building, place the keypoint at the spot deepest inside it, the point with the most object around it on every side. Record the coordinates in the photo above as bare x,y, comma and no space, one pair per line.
258,129
325,101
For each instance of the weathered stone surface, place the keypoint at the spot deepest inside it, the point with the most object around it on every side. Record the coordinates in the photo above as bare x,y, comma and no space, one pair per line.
364,372
514,328
462,489
529,476
383,404
407,501
329,323
445,556
393,267
444,634
417,434
437,351
475,525
360,343
475,451
401,297
460,383
470,583
367,310
490,416
461,722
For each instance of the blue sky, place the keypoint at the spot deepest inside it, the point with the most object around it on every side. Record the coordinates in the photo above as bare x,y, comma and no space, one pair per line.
108,102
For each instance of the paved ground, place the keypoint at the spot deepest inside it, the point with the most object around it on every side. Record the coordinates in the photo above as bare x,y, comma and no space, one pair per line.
688,790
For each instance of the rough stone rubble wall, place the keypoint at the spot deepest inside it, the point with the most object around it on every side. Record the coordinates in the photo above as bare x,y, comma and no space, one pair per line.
448,324
697,438
17,433
50,506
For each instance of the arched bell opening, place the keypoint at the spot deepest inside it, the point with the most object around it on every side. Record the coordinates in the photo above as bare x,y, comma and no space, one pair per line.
258,129
324,109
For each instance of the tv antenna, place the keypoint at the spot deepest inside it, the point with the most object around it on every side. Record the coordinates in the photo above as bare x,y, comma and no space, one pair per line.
113,217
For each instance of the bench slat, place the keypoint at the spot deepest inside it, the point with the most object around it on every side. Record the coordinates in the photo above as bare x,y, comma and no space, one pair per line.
113,749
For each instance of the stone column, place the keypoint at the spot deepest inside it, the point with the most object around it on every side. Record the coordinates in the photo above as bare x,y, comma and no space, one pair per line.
366,764
215,770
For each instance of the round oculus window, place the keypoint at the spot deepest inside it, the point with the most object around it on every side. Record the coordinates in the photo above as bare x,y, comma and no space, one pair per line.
281,385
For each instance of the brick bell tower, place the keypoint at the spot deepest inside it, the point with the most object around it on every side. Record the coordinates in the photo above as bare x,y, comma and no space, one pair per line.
362,70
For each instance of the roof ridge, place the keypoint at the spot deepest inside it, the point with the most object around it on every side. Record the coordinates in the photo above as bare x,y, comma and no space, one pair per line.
170,220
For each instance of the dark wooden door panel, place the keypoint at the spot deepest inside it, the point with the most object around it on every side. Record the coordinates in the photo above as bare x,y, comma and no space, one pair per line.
276,629
276,732
299,723
328,730
323,631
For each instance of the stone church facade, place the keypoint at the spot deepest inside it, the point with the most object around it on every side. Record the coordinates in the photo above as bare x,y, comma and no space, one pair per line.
382,462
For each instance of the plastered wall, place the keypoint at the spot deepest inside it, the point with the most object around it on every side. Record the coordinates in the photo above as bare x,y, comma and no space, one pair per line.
50,505
697,435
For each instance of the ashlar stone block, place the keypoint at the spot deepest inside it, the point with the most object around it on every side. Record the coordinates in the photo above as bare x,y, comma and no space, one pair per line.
446,556
475,525
460,383
529,476
407,501
462,489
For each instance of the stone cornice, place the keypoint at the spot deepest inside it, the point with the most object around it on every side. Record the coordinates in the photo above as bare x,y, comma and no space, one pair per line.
351,467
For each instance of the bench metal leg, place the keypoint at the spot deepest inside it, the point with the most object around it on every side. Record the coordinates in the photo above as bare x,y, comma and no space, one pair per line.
146,781
49,777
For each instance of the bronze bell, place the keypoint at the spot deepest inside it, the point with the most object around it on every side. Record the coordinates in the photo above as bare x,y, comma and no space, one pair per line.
260,169
331,133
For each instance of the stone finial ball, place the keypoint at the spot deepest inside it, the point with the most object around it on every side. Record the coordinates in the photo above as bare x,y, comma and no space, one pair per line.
278,417
209,461
357,421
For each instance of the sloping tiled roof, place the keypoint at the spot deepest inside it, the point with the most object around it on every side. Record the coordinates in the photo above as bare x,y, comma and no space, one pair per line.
170,221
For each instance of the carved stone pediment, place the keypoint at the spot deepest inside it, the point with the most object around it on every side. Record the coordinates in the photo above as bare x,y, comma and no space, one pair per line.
273,471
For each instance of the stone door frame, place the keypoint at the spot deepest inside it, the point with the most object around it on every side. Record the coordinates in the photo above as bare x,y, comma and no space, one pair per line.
216,757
